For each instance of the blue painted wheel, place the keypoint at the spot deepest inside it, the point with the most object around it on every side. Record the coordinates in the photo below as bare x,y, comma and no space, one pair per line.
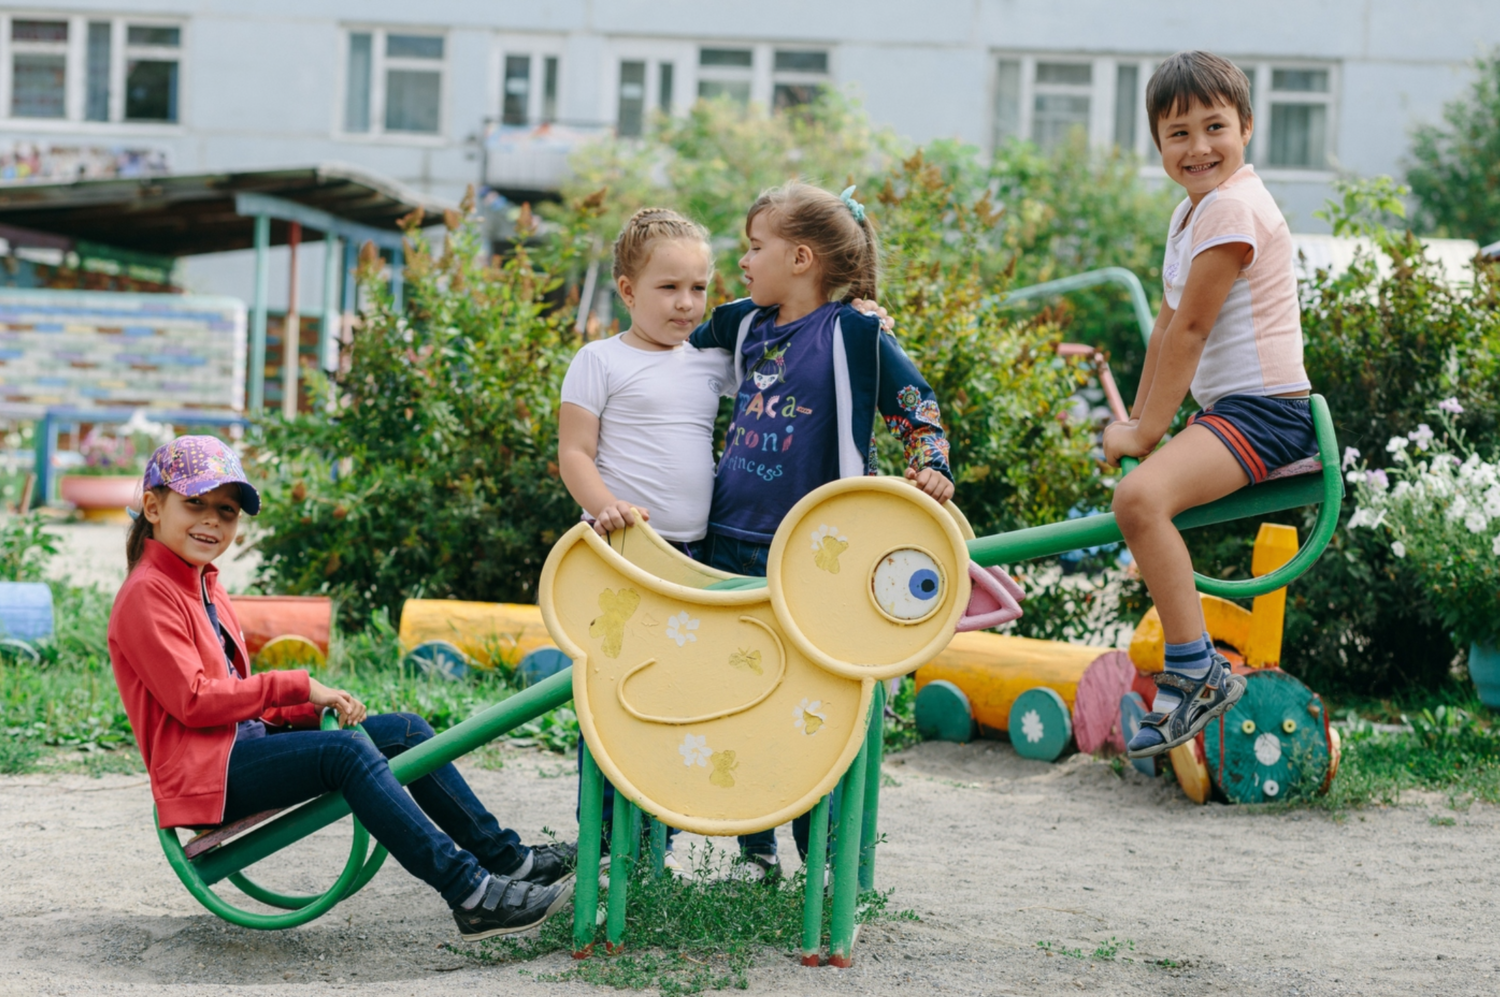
438,659
543,663
1132,708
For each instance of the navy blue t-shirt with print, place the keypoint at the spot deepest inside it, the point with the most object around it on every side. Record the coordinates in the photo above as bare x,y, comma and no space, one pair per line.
783,440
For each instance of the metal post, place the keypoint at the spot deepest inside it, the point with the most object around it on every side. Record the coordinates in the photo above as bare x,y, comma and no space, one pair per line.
846,863
621,860
398,278
658,847
351,291
328,357
258,313
44,442
291,328
875,747
814,868
586,882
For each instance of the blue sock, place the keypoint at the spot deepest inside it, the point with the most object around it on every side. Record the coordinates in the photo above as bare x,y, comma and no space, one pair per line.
1191,660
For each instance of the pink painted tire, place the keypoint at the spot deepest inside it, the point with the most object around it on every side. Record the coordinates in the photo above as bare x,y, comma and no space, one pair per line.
1096,706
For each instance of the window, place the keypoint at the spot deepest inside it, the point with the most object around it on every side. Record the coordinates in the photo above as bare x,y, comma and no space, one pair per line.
1128,103
103,70
632,110
1007,101
394,83
664,73
725,72
39,68
529,75
1061,102
798,77
1299,100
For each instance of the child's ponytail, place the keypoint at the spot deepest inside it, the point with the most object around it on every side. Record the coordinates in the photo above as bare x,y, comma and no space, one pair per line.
140,532
837,230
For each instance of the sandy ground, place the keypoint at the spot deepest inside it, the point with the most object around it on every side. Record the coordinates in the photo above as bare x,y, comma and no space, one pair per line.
995,853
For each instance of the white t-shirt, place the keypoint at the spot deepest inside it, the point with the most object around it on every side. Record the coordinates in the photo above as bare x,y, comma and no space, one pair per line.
656,423
1255,347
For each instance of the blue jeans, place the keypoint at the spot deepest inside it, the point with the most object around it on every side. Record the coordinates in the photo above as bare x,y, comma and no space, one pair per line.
289,767
745,557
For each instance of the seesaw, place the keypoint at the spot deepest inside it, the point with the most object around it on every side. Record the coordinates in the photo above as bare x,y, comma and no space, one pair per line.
662,702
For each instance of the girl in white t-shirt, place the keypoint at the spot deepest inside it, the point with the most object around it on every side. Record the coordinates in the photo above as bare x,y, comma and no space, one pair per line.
637,418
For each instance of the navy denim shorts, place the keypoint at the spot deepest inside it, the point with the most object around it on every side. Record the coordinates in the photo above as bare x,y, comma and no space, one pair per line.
1263,433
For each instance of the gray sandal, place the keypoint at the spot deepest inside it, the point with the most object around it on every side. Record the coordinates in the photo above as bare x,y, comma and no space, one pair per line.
1202,700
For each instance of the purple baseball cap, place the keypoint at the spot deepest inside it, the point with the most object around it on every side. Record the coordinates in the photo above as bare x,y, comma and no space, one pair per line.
192,465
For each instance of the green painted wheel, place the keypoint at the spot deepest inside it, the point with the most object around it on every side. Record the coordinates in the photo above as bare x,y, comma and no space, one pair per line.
943,713
1272,745
1039,726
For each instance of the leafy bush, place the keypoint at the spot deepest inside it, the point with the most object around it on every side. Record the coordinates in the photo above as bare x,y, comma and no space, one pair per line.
1435,508
1455,170
434,474
25,548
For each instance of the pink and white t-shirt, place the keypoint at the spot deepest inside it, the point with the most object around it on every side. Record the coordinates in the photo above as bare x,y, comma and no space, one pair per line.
1255,347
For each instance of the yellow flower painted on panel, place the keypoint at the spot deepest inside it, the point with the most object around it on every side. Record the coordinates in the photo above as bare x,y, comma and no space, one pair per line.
746,660
807,716
724,764
618,608
827,545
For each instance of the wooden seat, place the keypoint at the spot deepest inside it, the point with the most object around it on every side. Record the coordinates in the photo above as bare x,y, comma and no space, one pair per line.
215,836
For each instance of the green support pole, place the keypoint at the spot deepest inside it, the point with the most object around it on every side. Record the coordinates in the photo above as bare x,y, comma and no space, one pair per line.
258,313
623,836
586,882
658,848
812,889
875,749
846,863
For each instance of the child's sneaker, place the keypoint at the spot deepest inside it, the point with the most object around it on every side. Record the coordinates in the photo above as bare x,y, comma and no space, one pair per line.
552,863
756,868
510,905
1202,700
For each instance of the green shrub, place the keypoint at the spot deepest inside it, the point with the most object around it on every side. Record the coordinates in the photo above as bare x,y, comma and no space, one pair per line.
1455,169
25,548
434,474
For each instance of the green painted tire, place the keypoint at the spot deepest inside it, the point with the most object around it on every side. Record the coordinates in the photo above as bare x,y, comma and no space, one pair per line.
1039,725
943,713
1272,745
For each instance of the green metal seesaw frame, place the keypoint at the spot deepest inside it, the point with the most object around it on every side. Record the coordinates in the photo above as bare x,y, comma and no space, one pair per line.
858,791
853,866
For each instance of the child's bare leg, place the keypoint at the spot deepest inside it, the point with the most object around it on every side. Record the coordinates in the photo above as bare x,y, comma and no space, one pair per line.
1191,470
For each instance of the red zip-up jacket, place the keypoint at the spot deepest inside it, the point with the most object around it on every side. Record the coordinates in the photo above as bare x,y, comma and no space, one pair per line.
182,702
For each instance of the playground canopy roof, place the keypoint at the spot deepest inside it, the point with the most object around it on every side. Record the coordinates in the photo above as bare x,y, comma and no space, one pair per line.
210,212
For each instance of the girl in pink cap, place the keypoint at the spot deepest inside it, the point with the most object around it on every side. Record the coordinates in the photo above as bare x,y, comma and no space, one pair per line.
222,744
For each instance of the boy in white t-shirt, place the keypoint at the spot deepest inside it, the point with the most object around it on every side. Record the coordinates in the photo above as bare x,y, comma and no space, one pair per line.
1230,330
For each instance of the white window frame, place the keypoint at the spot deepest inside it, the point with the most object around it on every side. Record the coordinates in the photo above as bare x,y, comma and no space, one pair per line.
537,48
758,73
380,64
681,56
794,77
1102,104
75,97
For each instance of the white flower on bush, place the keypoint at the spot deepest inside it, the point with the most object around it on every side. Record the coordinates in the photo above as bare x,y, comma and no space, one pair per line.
1451,406
1398,548
1366,517
1421,436
1476,521
1351,457
1396,447
1492,501
1459,508
1495,545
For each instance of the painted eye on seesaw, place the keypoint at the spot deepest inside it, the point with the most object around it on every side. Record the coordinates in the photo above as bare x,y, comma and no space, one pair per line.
907,585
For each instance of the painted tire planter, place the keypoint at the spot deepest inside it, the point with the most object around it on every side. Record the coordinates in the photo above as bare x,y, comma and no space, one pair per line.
1273,744
1484,669
943,713
1040,726
1096,705
1132,708
99,496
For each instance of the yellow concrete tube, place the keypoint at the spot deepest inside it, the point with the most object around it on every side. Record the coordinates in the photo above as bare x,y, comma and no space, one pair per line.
993,670
489,632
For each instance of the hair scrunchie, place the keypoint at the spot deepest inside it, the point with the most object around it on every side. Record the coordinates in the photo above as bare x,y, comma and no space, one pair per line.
855,208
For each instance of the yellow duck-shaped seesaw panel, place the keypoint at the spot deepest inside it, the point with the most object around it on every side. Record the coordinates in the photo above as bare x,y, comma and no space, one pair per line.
732,710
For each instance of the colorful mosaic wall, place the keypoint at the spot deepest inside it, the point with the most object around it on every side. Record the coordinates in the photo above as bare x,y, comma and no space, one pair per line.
92,349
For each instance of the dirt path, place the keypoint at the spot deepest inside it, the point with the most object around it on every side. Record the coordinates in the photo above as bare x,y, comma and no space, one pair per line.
995,853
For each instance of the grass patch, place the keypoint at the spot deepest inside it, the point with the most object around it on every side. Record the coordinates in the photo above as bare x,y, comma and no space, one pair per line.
686,935
1450,749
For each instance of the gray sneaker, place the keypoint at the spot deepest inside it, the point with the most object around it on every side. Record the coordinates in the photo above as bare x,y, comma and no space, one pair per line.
510,905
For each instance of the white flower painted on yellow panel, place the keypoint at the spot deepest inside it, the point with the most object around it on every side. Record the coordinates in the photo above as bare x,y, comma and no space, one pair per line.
808,716
694,750
680,628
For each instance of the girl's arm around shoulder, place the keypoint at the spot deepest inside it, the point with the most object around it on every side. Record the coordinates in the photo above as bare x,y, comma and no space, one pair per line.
911,413
151,634
723,326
